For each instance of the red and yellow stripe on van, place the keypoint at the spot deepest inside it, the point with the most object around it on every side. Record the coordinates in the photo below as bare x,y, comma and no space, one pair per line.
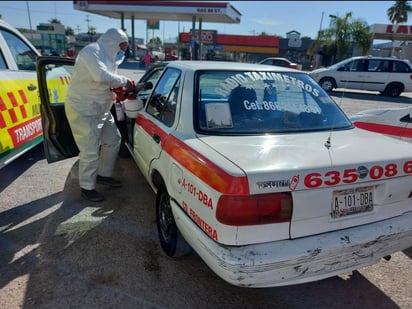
20,120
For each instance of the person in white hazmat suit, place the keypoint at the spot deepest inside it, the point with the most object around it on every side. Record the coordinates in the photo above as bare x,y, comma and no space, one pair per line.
88,102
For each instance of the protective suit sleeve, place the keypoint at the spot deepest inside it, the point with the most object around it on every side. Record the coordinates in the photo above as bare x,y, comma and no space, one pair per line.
101,73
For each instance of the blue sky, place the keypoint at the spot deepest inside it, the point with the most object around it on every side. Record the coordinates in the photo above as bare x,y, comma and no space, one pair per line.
272,17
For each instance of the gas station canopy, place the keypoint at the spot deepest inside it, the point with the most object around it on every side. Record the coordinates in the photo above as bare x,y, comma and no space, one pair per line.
214,12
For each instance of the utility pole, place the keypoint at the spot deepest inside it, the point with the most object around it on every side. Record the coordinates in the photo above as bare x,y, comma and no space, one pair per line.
88,26
28,12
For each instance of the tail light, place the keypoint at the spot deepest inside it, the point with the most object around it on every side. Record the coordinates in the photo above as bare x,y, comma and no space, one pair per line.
255,209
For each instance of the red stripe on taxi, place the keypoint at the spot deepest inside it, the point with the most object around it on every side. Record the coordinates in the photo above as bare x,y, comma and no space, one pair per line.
196,163
2,122
23,96
13,116
23,111
12,99
2,105
2,108
384,129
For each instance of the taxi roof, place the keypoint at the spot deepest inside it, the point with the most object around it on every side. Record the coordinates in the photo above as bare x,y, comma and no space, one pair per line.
227,65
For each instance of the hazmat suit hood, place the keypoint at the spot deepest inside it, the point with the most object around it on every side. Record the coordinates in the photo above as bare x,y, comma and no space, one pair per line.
110,40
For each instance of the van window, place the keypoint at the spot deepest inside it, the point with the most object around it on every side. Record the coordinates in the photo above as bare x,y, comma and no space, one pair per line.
383,66
400,67
358,65
374,65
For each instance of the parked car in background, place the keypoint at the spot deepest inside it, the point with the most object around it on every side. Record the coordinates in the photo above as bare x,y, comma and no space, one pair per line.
281,62
258,171
158,54
389,76
394,122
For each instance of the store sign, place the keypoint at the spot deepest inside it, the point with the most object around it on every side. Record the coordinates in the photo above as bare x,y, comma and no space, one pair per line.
209,10
153,24
208,36
44,27
399,29
295,43
391,29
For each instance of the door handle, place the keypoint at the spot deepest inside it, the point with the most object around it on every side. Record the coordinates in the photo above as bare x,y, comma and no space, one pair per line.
31,87
156,138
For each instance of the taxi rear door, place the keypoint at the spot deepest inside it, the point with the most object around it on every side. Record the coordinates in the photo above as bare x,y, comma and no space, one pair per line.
53,76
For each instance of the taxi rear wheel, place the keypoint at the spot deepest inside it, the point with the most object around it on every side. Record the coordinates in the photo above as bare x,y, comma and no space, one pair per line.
171,241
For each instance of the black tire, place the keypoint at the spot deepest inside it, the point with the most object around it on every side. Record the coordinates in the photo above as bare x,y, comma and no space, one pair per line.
171,241
327,84
394,90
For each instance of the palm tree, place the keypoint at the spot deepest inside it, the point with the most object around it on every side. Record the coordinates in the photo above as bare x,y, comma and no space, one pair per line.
361,36
334,42
341,30
398,13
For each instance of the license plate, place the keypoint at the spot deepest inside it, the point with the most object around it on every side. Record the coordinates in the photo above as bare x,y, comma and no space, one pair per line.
352,201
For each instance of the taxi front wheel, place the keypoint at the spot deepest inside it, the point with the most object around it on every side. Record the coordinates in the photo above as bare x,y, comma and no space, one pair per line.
171,241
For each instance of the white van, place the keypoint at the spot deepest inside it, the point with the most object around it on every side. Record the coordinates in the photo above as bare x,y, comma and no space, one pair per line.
389,76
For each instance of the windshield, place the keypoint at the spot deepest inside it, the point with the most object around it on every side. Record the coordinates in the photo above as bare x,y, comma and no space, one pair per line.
233,102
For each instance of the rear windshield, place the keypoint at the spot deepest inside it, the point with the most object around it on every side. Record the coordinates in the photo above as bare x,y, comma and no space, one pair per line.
233,102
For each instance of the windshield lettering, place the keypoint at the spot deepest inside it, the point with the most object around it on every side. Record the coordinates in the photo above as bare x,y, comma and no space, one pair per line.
249,79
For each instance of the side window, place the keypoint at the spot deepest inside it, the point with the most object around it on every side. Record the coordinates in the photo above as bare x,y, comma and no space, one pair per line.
347,66
3,65
358,65
374,65
362,65
384,66
143,94
24,56
400,67
164,99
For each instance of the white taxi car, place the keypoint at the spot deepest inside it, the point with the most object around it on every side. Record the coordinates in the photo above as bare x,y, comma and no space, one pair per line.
258,171
20,122
393,122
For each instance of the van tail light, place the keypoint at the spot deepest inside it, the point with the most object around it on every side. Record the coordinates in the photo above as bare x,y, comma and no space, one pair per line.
255,209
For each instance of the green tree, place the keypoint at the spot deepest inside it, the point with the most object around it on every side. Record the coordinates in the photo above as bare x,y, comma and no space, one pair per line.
340,32
343,32
55,21
154,42
69,31
361,36
398,13
92,31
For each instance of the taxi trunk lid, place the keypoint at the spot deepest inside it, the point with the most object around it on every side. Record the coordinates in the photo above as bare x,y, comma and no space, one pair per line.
338,180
